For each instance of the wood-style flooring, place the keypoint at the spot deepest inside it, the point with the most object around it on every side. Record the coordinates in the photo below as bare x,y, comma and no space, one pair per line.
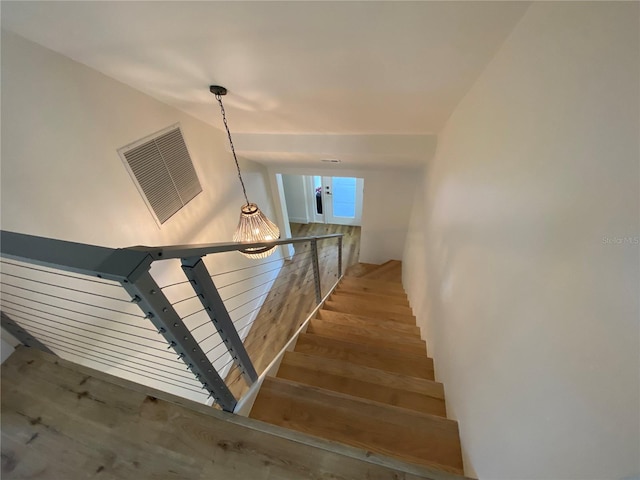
62,421
292,297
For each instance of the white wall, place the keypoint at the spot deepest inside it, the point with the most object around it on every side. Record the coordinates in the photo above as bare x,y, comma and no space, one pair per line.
522,258
295,193
62,124
388,195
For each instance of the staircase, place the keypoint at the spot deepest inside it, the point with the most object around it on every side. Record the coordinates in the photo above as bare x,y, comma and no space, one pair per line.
360,376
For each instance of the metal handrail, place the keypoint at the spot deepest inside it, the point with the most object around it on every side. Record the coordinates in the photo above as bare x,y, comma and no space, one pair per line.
130,267
200,250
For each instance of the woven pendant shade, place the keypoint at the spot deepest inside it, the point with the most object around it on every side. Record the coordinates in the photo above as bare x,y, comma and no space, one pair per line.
255,227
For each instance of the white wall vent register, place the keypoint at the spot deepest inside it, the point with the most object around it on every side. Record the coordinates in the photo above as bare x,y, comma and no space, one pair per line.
162,169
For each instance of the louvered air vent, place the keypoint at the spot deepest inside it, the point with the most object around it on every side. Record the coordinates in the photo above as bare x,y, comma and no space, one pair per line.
162,169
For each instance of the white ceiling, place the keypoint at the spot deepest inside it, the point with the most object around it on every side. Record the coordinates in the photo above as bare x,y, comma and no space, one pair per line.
380,69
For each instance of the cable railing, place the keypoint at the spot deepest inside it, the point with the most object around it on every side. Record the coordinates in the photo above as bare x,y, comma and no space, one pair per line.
198,321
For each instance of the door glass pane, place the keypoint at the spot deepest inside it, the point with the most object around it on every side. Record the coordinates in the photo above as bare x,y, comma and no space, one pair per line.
317,193
344,197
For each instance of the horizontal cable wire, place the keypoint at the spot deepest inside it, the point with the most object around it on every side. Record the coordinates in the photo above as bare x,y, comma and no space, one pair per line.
55,306
80,335
214,347
72,301
84,323
254,276
56,315
66,288
264,283
184,300
262,295
231,382
263,303
208,337
78,344
40,331
62,274
174,284
257,265
222,367
67,318
87,357
247,325
193,313
181,377
258,308
202,324
219,357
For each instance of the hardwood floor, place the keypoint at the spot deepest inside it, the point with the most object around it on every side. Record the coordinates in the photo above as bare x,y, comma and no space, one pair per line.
292,296
62,421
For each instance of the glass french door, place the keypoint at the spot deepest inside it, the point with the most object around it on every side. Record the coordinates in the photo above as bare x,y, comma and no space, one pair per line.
338,200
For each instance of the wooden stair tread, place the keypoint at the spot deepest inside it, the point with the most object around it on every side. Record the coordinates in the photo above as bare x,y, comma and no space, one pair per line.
360,320
372,302
378,285
403,391
390,271
359,269
382,330
411,436
374,296
368,336
388,360
363,289
362,308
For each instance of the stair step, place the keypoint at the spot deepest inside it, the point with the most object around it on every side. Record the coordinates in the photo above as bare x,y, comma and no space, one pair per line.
360,269
368,310
411,436
346,286
390,271
360,320
368,336
405,363
391,299
376,285
403,391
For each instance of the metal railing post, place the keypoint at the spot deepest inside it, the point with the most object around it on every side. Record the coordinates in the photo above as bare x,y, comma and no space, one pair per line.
316,269
197,273
150,298
339,257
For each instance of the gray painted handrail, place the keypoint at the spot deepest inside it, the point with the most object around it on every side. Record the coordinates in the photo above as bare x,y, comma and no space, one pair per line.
200,250
115,264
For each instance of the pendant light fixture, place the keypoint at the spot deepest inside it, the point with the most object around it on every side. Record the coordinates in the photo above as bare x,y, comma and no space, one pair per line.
254,226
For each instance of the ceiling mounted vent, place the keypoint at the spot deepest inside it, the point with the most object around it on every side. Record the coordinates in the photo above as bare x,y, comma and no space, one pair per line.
162,169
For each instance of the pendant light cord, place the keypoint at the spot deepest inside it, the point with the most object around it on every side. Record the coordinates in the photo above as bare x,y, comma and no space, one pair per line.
233,150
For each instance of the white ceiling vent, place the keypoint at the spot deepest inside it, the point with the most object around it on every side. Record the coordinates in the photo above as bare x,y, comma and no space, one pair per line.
162,169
